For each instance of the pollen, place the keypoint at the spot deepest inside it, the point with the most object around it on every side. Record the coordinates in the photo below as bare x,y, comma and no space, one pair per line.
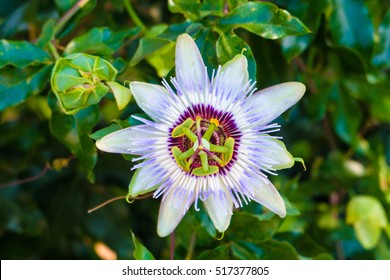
214,121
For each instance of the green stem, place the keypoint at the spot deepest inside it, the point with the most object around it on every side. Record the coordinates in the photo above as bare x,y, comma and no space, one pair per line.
191,246
134,15
69,14
53,51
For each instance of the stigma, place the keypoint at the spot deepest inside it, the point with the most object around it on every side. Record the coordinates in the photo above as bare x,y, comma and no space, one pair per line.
204,146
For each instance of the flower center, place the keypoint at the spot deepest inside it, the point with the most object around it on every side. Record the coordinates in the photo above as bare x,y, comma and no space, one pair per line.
205,147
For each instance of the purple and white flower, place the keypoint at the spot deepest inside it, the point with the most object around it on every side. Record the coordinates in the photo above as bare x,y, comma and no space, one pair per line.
209,139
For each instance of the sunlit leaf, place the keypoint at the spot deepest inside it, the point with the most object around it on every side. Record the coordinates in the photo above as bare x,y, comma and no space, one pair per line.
100,41
264,19
21,54
368,217
148,46
163,60
122,94
140,251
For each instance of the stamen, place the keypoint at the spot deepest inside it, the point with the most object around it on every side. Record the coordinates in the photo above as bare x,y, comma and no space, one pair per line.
187,154
209,131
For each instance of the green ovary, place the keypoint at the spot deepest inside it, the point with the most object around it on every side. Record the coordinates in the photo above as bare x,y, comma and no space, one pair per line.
202,157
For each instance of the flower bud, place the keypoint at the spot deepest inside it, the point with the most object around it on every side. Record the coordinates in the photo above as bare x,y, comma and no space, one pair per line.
78,81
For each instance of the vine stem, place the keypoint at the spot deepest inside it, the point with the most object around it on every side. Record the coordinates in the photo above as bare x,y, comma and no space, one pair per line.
106,202
118,198
191,246
29,179
172,251
134,15
69,14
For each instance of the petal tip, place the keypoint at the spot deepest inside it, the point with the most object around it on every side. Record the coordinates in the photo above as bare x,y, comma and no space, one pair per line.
282,213
100,145
299,88
162,231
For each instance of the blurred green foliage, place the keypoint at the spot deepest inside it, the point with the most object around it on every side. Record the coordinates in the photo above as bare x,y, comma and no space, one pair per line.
51,173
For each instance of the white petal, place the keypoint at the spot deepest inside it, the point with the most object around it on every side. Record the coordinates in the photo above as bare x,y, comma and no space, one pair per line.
140,137
190,69
171,212
237,69
144,180
267,195
220,211
154,100
276,151
271,102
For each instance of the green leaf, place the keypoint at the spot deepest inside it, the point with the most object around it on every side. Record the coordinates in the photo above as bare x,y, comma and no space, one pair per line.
291,208
235,3
368,217
204,221
100,41
47,33
189,8
140,251
65,5
310,13
259,230
264,19
278,250
381,58
174,30
21,54
148,46
218,253
376,96
205,40
73,131
13,15
22,84
347,116
105,131
346,20
212,7
229,45
122,94
304,245
241,252
163,60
